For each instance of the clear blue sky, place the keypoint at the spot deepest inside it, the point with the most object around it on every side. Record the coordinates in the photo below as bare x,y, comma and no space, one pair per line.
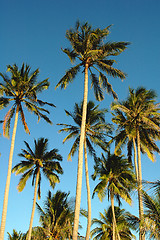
33,32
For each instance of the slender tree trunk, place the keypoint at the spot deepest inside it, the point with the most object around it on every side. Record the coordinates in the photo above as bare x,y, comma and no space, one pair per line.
80,157
88,193
141,233
6,194
113,219
135,159
33,207
115,229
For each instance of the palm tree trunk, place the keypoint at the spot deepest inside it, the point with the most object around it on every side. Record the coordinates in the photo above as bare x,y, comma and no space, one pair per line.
88,193
33,207
141,233
135,158
80,157
6,194
114,220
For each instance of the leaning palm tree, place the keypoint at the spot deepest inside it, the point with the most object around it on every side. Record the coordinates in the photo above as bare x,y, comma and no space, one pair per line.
96,131
20,89
138,120
57,216
93,54
104,226
37,162
116,179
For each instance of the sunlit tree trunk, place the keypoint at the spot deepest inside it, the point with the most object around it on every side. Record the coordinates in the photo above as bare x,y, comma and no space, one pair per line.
135,158
114,219
141,233
115,229
80,156
6,194
88,193
33,207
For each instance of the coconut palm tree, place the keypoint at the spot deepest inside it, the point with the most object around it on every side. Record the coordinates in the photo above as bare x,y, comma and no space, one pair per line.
104,226
93,54
20,89
57,216
116,179
96,132
138,120
36,162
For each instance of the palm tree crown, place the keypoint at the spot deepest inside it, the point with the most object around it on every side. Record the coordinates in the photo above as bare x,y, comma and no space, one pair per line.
88,47
22,88
96,129
116,177
104,228
40,160
138,112
57,216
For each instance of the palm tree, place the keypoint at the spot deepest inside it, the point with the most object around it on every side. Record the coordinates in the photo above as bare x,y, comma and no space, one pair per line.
95,133
138,119
21,88
57,216
104,226
152,215
89,49
16,235
37,162
116,179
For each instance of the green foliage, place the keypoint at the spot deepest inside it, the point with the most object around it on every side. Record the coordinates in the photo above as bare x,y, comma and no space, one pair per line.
115,176
96,129
152,211
16,235
57,216
40,160
88,47
21,89
139,112
104,227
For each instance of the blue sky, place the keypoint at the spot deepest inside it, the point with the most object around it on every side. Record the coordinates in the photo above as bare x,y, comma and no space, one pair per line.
33,32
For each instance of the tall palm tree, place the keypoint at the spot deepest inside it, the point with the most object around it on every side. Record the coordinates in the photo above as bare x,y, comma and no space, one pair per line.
37,162
104,226
20,89
57,216
116,179
138,119
96,131
92,53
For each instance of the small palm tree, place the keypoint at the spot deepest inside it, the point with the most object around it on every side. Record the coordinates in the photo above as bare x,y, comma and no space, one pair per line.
104,225
95,135
116,179
93,54
16,235
57,216
37,162
138,120
20,89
